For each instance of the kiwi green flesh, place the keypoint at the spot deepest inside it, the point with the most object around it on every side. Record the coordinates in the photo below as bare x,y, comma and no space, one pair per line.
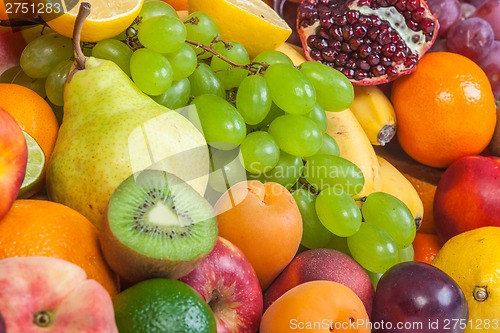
158,215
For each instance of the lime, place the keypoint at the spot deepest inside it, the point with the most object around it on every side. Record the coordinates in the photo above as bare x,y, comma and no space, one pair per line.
162,306
35,168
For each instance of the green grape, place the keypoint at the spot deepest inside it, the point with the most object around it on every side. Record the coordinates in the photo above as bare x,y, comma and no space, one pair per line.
338,212
333,90
230,76
16,75
272,57
54,85
335,173
225,169
114,50
407,254
329,146
314,233
201,29
373,248
204,81
374,278
290,89
183,61
253,99
220,122
176,96
41,55
286,172
339,243
392,215
318,114
152,9
274,112
296,135
151,71
259,152
163,34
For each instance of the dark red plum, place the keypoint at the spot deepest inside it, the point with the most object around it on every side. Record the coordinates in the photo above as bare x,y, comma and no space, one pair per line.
415,297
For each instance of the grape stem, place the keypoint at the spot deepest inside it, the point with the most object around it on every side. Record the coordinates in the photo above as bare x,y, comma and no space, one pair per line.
253,67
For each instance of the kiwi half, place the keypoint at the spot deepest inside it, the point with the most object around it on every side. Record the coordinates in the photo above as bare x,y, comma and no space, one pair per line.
156,225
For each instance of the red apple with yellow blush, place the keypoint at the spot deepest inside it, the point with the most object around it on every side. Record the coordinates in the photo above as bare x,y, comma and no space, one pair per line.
468,196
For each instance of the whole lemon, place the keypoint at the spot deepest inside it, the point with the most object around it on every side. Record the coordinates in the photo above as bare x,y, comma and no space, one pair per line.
472,259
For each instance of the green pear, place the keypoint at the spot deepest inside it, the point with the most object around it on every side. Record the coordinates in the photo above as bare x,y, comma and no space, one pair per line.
110,130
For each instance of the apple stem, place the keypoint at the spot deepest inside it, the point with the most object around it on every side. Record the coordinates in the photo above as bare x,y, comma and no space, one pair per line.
83,12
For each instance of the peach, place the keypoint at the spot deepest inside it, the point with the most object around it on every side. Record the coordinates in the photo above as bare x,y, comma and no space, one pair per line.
52,295
262,220
322,264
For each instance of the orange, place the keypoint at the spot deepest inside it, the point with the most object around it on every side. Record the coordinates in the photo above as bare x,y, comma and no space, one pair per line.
445,109
425,247
44,228
316,306
32,112
178,4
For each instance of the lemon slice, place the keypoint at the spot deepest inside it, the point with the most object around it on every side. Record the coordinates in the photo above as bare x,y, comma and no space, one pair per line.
107,18
35,169
250,22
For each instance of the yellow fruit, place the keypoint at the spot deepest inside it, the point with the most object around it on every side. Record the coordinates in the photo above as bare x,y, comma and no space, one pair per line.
252,23
107,19
295,53
472,259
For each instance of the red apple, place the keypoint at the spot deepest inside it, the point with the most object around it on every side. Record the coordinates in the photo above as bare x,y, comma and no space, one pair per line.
13,160
46,294
468,196
11,46
227,281
322,264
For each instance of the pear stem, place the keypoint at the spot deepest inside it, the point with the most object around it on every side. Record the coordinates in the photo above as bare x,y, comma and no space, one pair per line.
83,12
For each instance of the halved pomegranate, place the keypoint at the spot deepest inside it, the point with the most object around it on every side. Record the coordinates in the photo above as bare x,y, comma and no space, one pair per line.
370,41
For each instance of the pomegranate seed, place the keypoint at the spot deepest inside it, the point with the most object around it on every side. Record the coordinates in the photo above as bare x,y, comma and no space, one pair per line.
365,50
363,64
346,48
340,20
400,5
336,33
359,30
411,5
341,59
373,59
352,16
329,54
378,70
418,14
347,32
360,75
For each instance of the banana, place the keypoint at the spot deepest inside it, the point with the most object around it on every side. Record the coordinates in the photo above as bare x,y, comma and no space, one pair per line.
395,183
375,113
295,53
355,147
